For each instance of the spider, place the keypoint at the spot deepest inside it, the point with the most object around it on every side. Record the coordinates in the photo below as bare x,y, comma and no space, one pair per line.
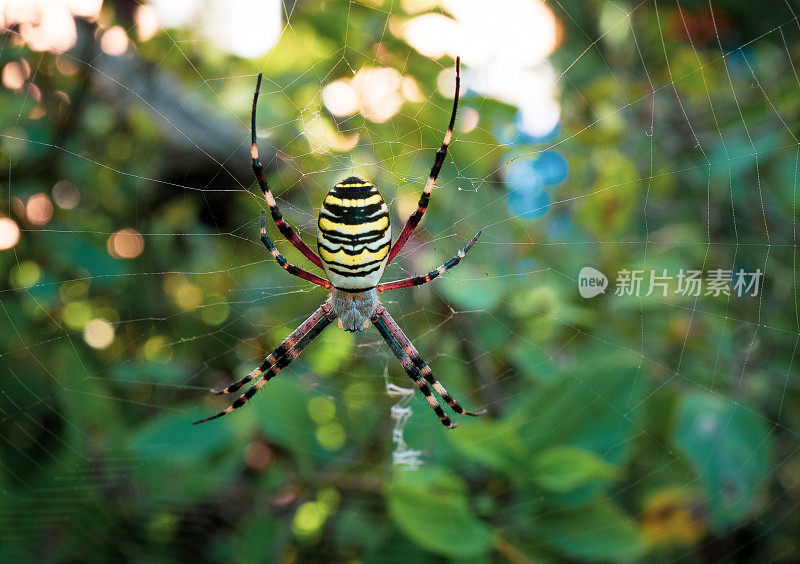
354,244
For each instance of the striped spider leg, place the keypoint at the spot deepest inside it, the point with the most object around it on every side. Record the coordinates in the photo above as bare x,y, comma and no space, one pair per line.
415,367
419,280
286,265
279,359
258,170
441,153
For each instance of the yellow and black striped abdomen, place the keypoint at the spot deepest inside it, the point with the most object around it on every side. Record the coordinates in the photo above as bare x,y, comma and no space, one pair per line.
353,235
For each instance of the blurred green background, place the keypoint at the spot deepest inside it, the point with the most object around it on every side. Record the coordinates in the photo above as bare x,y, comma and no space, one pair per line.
621,136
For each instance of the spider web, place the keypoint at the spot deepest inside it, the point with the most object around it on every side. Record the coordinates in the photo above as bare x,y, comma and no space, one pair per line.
663,106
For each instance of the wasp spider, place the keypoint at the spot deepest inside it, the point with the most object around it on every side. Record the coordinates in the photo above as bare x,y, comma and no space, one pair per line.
354,243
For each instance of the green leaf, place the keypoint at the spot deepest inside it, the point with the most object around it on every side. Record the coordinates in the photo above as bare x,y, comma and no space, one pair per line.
353,520
595,405
173,438
189,462
282,413
598,530
730,447
432,510
493,444
563,469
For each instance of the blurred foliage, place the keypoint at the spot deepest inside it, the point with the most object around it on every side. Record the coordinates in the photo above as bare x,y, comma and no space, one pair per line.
652,428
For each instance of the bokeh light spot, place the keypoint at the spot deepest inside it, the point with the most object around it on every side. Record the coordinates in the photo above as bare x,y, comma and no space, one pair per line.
308,519
66,195
215,313
114,41
324,137
25,274
357,396
66,66
340,98
46,25
322,410
126,244
410,90
329,498
38,112
13,76
331,436
551,167
376,92
331,351
187,296
378,89
88,9
147,22
496,40
432,34
672,517
39,209
9,233
76,315
468,120
247,28
98,334
406,203
156,349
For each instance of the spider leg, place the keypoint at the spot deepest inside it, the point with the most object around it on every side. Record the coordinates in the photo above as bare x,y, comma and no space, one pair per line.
280,358
258,170
290,268
415,366
411,370
437,166
417,280
288,344
411,352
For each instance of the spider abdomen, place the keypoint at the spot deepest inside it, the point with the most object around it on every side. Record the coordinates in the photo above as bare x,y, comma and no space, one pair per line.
354,235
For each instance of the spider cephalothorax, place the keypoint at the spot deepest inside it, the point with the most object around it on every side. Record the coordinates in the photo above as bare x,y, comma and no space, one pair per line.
354,244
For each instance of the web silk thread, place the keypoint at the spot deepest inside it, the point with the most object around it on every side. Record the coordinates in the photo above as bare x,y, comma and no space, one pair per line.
403,456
